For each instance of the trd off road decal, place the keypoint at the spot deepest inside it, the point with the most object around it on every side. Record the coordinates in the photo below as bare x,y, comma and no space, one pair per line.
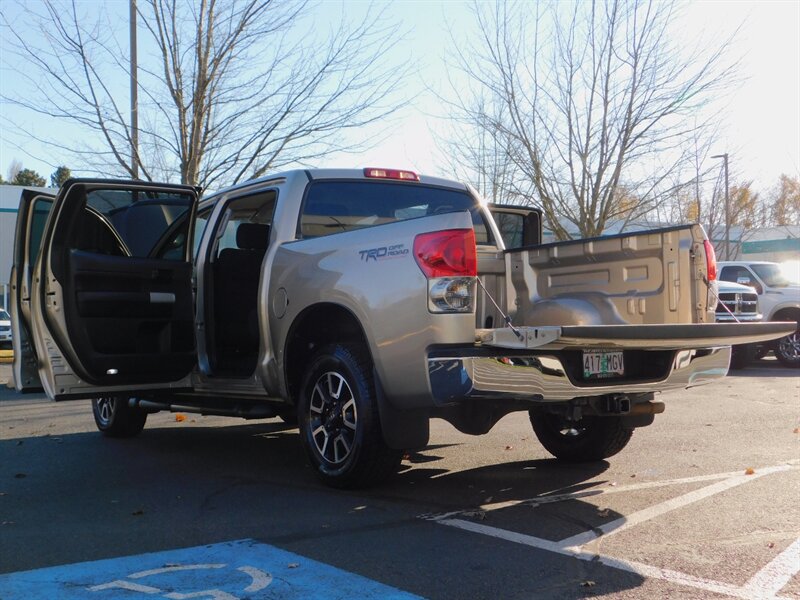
383,253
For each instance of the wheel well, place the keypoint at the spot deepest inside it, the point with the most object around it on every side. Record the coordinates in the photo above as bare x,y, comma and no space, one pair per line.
787,314
317,326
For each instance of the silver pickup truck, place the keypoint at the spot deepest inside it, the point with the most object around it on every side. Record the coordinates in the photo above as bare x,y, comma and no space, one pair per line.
359,304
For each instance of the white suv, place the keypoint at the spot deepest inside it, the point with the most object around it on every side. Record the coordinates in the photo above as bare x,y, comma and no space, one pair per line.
778,299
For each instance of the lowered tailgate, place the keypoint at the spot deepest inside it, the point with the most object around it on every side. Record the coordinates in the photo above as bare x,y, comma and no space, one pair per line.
630,337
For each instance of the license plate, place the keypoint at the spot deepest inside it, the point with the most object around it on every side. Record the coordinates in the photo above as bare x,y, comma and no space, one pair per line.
598,364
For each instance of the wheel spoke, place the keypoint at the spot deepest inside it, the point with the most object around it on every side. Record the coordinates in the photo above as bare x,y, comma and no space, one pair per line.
319,396
338,384
349,414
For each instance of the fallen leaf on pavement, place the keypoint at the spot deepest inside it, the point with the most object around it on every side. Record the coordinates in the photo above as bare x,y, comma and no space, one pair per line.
771,545
749,471
509,447
603,512
612,483
796,430
180,418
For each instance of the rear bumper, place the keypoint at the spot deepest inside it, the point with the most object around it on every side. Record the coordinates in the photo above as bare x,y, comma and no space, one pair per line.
549,377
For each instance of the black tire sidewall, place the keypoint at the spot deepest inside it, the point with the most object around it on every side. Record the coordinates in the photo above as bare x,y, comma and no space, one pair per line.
602,437
787,361
124,422
339,359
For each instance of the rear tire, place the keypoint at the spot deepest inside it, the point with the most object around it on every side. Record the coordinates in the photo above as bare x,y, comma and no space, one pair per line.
587,440
339,422
742,356
114,417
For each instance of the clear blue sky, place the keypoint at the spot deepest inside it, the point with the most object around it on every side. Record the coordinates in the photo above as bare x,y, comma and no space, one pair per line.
762,124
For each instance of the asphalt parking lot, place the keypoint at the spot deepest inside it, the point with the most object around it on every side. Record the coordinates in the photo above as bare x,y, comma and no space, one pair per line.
703,504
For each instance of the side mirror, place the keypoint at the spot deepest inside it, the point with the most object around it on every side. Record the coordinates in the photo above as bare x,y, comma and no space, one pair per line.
519,226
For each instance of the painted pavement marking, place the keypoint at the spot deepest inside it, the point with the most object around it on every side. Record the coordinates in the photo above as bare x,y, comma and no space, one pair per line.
225,571
765,584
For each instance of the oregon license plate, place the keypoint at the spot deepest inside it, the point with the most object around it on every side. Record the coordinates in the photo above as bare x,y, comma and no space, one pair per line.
598,364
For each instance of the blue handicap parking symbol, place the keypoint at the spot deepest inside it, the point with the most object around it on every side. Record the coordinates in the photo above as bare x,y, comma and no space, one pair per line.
239,570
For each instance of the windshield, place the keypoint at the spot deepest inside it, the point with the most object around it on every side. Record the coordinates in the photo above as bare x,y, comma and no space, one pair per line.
4,316
773,275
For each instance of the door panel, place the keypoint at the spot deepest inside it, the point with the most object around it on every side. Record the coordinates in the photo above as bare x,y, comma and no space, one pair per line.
113,309
34,208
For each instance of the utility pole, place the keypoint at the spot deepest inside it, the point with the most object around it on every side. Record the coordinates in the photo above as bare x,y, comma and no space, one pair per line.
724,157
134,96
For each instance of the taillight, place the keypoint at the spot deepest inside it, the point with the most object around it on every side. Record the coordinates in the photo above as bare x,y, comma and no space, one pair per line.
711,260
449,261
374,173
447,253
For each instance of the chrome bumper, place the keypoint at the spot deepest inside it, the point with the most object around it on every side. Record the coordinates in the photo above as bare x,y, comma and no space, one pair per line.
543,378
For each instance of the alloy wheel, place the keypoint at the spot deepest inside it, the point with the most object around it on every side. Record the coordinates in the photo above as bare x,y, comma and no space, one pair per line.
333,417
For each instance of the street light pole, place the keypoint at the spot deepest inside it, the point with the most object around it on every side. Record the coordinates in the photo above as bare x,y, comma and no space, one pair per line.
134,96
724,157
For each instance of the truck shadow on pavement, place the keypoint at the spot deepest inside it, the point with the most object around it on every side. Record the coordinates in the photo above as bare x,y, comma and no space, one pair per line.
80,497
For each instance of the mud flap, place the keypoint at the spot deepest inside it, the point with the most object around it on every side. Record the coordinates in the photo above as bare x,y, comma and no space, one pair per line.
402,429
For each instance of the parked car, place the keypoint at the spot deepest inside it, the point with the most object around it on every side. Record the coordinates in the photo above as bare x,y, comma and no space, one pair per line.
738,304
359,304
5,329
779,300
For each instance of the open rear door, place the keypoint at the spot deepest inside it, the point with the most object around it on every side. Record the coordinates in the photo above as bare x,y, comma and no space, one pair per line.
34,208
111,300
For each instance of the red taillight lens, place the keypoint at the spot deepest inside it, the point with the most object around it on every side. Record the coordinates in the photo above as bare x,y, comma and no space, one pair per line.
711,260
390,174
449,253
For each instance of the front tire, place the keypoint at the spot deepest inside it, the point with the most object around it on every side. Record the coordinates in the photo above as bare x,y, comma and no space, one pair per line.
587,440
339,421
787,349
114,417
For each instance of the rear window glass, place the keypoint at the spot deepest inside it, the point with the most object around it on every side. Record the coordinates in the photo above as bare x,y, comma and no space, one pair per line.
337,206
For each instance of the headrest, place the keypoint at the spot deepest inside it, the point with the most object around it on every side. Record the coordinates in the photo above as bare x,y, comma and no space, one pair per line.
252,236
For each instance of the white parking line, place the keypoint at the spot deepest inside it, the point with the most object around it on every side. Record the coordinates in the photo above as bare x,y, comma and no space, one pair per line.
626,522
764,585
778,572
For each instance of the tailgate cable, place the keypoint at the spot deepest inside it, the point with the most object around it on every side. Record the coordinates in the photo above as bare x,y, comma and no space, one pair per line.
506,318
720,302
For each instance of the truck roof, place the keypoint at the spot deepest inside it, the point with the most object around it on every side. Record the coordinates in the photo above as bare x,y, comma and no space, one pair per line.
316,174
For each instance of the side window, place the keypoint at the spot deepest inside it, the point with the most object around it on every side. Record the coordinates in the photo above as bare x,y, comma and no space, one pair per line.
135,223
200,223
741,275
245,224
338,206
38,219
512,227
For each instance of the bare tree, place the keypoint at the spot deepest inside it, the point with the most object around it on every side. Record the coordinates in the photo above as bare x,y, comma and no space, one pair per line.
230,89
597,98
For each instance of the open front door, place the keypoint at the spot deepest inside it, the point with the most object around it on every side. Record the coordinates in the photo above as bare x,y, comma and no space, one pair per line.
111,300
34,208
520,226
